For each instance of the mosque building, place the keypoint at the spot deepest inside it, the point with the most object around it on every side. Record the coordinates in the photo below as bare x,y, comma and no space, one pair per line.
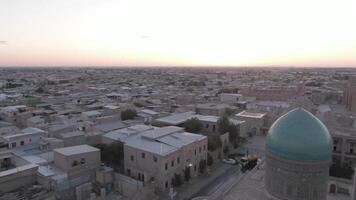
298,156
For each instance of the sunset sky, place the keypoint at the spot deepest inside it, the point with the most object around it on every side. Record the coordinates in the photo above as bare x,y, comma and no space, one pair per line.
178,33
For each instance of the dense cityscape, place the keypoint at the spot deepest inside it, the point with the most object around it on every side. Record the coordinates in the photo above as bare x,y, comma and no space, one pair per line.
177,133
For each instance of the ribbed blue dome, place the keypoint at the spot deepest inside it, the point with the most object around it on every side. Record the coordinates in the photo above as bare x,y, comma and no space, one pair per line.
298,135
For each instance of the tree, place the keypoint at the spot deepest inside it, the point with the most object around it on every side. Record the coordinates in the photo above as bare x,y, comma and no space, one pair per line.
128,114
226,150
229,111
202,166
210,160
214,142
138,104
40,90
235,144
187,175
177,180
223,124
192,125
234,132
112,154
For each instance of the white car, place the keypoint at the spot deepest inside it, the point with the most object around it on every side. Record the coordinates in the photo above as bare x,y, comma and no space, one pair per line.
229,161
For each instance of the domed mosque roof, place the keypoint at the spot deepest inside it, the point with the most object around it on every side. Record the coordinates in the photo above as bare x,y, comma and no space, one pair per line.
299,135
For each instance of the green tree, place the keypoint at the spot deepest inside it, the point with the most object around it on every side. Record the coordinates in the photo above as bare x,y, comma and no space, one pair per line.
187,174
112,155
214,142
192,125
138,104
234,132
223,124
40,90
177,180
235,144
210,160
229,111
202,166
226,150
128,114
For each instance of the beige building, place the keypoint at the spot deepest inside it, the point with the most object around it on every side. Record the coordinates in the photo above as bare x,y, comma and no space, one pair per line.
255,123
342,126
214,109
15,172
155,156
78,160
350,95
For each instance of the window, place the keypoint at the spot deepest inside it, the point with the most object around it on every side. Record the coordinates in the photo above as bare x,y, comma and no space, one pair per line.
195,168
195,151
178,160
143,155
154,159
214,128
129,172
166,185
132,158
82,161
75,163
166,166
13,144
172,163
199,149
207,126
22,143
204,147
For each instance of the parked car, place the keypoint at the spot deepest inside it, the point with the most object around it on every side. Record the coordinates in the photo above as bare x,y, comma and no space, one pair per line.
229,161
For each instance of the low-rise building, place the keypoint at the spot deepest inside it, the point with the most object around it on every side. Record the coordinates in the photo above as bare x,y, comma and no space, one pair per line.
77,160
26,136
255,123
157,156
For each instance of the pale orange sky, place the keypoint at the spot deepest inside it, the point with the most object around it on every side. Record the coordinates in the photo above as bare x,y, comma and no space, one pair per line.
178,33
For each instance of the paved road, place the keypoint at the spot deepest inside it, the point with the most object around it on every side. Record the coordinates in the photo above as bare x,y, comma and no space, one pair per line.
223,183
218,182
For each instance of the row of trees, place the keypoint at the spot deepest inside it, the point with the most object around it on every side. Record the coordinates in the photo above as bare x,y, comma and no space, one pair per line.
193,125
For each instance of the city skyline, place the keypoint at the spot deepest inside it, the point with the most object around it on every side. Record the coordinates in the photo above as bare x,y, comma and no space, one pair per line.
178,33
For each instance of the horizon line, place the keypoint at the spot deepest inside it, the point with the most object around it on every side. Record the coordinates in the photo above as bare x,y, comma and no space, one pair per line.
175,66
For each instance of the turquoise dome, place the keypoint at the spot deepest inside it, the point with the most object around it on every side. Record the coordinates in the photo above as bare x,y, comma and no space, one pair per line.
299,135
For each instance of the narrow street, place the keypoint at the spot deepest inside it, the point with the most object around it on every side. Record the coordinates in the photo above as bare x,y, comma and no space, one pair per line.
219,181
221,184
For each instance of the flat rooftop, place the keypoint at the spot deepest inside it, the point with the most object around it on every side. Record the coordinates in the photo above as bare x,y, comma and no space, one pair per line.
68,151
176,119
162,141
250,114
